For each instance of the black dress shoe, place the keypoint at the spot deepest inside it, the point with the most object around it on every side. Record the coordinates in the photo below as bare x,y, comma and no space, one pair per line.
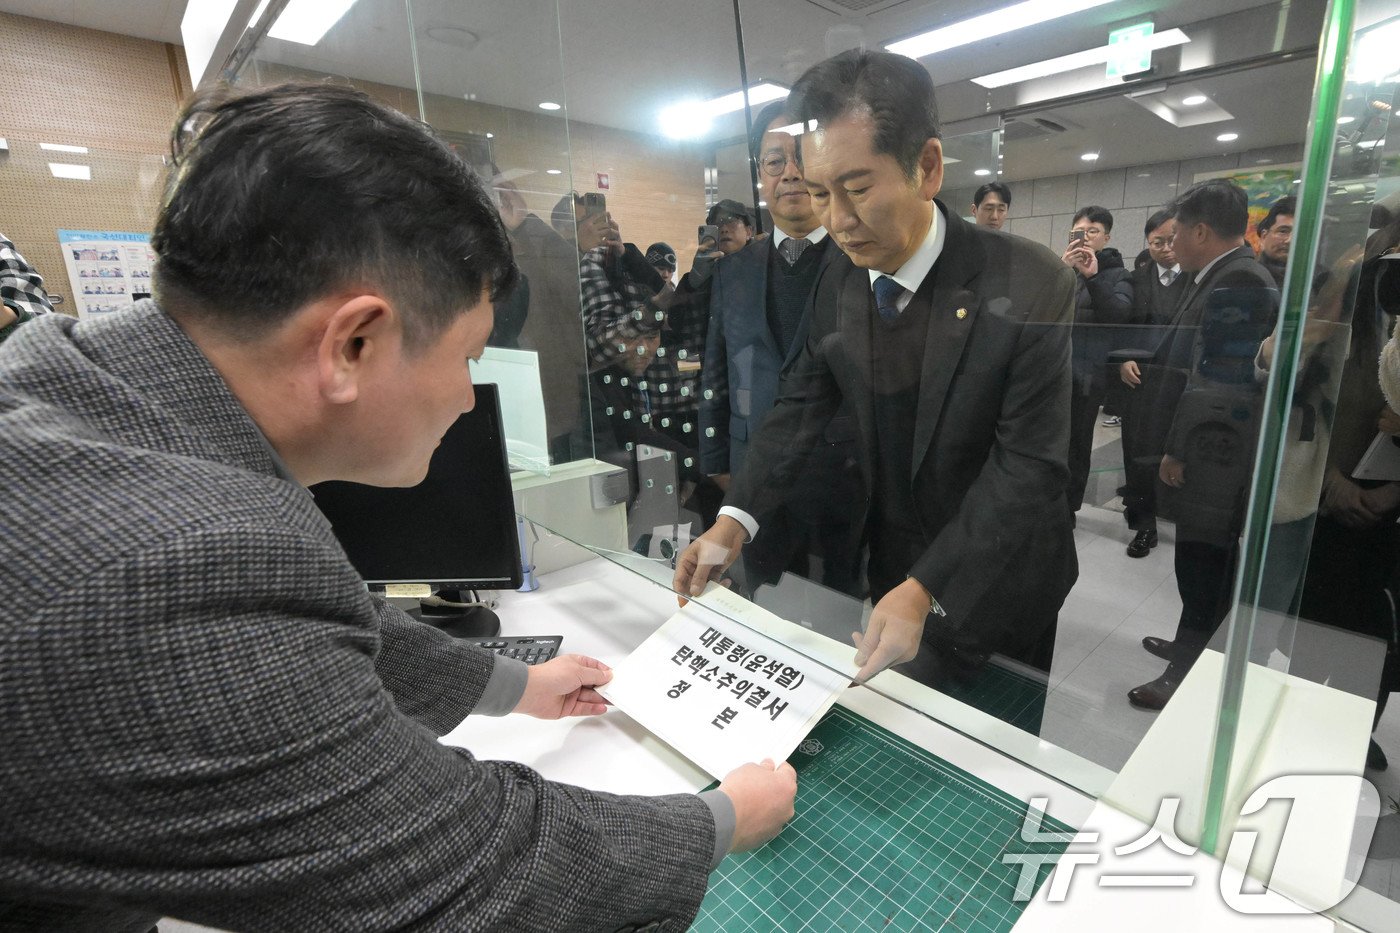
1154,694
1375,758
1159,647
1143,542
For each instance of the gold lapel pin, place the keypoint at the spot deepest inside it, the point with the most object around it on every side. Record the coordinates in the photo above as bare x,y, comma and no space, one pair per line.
962,313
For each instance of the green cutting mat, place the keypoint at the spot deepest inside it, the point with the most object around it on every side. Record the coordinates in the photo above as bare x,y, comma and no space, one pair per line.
887,837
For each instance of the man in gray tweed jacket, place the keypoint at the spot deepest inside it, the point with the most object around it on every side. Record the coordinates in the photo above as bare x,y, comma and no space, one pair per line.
203,712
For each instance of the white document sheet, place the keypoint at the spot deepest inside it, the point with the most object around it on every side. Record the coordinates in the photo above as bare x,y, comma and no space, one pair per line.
722,694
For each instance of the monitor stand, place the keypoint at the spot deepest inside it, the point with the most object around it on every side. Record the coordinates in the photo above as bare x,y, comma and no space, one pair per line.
445,611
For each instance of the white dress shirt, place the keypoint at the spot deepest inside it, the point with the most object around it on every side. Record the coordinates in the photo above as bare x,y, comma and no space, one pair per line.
815,237
912,274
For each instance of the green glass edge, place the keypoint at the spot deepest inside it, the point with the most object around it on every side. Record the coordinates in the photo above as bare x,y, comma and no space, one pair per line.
1317,164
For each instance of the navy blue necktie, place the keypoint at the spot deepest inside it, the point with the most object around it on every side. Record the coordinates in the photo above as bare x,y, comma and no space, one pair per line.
887,295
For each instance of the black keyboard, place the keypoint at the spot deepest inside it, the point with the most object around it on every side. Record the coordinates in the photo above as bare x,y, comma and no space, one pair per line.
532,649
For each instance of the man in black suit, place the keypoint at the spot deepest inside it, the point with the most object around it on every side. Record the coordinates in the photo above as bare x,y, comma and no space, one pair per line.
1201,376
1158,287
951,345
759,317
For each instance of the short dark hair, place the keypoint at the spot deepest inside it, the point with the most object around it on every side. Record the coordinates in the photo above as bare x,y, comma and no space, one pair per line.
1285,206
1095,215
280,195
766,115
1219,204
897,89
992,187
1156,220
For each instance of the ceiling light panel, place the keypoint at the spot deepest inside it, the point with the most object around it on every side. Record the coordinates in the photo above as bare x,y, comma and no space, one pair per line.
307,21
995,23
67,170
1084,59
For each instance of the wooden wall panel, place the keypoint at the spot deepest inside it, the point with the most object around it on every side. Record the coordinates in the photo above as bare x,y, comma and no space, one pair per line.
657,186
116,95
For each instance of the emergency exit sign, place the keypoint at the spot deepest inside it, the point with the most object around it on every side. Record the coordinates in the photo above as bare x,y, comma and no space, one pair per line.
1129,52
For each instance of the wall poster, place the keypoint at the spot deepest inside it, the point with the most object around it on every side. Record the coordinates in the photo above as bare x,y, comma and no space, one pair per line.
108,270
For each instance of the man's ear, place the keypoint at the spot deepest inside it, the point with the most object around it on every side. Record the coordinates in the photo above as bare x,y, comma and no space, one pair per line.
359,333
931,163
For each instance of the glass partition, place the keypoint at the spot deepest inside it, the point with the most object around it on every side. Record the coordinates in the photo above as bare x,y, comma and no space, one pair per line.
663,317
88,239
1313,648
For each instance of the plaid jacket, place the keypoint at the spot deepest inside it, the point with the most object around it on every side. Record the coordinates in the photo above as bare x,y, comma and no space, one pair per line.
616,312
20,286
206,716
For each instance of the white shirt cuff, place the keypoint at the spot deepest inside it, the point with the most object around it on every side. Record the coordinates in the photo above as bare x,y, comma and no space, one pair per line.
743,518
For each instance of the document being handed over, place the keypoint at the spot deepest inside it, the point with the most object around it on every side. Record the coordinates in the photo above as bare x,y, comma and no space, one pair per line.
721,693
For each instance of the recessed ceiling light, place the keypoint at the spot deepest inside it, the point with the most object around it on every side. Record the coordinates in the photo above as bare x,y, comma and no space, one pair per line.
983,171
1343,121
1227,137
995,23
1144,174
553,171
454,36
1194,100
549,105
65,170
1095,56
307,21
692,118
490,135
762,203
55,147
1090,156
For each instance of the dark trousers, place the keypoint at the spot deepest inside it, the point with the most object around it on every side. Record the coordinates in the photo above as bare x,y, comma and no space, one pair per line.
793,536
1083,415
1142,459
1205,577
1348,573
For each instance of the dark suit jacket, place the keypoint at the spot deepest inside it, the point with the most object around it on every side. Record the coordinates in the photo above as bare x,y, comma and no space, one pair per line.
1199,391
1153,302
553,326
205,715
1237,269
742,359
992,431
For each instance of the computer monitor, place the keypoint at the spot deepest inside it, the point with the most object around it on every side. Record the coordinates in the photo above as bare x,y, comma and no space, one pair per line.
455,531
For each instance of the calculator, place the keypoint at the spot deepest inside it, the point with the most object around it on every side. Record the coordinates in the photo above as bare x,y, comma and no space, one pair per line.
532,649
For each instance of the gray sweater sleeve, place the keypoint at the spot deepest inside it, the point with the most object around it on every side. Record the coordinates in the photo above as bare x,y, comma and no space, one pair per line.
722,808
437,679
